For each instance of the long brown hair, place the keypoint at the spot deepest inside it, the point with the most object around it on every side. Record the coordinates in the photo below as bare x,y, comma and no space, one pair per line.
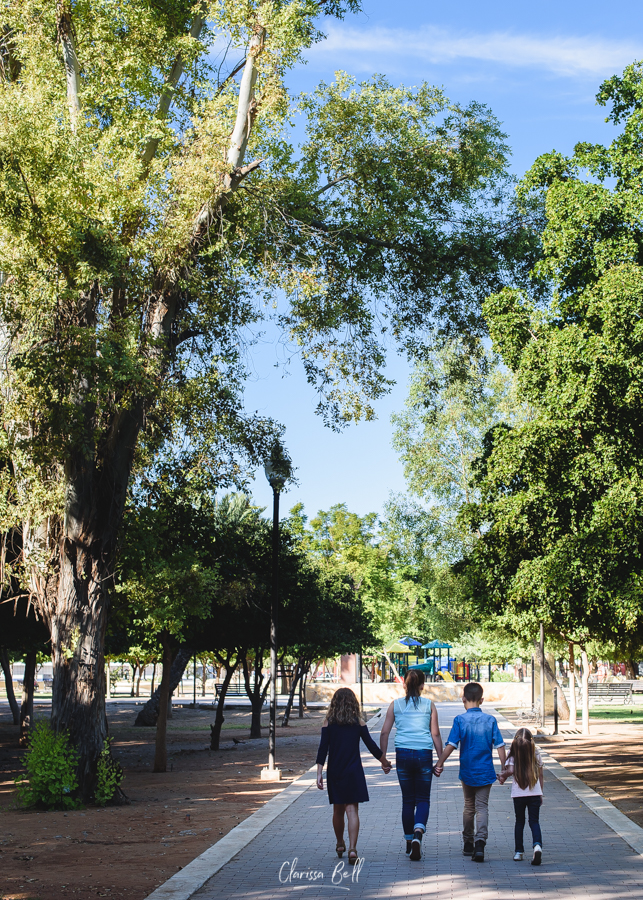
413,684
523,753
344,708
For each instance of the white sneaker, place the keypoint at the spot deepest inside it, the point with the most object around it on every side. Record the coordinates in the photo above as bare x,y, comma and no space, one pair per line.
517,856
538,855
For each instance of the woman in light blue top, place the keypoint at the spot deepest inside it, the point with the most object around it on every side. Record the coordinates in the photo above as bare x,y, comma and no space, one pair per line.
417,734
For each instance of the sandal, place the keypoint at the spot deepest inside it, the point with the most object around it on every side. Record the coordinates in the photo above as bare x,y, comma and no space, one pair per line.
352,859
340,849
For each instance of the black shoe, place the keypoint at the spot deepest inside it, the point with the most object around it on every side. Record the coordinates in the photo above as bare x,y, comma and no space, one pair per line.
478,852
408,847
467,850
416,846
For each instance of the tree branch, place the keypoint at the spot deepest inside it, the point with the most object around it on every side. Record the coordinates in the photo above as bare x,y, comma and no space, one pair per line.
246,106
331,184
9,65
234,72
209,209
167,94
65,30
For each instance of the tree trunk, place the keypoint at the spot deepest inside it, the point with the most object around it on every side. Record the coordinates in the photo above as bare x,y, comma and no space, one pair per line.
553,682
153,679
149,714
303,706
108,681
160,750
256,694
141,669
215,730
572,686
135,669
631,669
26,707
291,696
8,680
77,617
585,691
204,675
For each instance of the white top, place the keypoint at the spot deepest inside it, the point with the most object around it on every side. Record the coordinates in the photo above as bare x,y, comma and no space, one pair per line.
413,724
516,790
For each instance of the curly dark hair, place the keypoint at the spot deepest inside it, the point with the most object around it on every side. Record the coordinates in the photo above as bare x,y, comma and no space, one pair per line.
344,708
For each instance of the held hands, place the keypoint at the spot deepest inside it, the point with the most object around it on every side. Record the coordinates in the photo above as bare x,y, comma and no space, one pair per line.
438,769
386,765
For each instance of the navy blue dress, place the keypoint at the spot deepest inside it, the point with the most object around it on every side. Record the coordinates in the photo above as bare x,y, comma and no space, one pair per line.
345,779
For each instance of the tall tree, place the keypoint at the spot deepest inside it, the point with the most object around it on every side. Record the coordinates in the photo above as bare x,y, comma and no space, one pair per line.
166,575
345,544
149,203
561,495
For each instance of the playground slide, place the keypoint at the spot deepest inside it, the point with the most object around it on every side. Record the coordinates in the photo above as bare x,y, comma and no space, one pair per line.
446,676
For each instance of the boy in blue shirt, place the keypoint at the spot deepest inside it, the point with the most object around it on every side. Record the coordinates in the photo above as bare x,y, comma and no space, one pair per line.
477,734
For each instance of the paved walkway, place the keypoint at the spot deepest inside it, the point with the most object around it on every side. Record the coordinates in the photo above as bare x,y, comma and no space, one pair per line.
583,858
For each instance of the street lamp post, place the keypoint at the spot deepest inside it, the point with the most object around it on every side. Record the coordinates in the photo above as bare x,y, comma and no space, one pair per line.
278,469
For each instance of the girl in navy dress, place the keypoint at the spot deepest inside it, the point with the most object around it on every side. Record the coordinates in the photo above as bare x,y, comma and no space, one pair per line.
342,731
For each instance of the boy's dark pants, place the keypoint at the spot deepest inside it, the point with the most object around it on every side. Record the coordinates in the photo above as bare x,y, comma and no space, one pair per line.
532,805
476,806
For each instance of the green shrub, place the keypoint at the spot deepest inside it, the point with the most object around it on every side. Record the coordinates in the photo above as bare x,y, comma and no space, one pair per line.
502,676
109,776
50,779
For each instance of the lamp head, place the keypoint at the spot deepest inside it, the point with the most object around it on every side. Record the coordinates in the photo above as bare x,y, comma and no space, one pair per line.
278,467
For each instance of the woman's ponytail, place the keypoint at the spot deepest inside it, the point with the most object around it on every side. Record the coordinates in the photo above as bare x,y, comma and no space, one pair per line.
413,684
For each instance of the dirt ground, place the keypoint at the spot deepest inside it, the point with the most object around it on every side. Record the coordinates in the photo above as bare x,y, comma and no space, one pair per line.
609,760
126,851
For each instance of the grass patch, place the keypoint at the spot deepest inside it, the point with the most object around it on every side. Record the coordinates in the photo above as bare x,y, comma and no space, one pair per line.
620,713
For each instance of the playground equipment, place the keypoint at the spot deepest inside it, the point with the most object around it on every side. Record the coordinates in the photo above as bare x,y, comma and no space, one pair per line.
398,656
438,668
405,654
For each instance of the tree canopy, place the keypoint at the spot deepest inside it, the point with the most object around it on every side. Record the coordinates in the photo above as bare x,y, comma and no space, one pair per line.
561,494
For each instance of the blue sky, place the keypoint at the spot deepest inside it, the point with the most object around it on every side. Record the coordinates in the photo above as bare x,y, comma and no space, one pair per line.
538,67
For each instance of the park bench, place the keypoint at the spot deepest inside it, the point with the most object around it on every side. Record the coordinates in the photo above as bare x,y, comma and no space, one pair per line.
620,690
233,691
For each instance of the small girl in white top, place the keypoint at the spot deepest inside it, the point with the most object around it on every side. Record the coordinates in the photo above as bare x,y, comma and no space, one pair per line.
525,764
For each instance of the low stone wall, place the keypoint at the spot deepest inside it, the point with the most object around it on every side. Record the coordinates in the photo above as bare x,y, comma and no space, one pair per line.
495,693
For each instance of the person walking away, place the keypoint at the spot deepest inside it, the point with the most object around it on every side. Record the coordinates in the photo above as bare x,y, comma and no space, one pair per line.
476,733
417,735
342,730
526,765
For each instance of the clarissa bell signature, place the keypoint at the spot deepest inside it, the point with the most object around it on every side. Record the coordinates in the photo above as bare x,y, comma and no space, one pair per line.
341,876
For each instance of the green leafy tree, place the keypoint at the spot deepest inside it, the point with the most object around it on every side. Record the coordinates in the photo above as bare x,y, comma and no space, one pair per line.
344,543
167,575
560,495
319,612
455,396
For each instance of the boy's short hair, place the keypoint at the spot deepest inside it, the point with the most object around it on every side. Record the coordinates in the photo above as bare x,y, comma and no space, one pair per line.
473,692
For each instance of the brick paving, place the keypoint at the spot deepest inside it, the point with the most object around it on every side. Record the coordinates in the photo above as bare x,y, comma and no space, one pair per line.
583,859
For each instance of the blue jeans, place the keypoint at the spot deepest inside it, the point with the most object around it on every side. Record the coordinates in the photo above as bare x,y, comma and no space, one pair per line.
414,772
532,806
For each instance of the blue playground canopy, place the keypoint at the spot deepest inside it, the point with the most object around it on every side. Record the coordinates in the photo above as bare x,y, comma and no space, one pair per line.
410,642
437,645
